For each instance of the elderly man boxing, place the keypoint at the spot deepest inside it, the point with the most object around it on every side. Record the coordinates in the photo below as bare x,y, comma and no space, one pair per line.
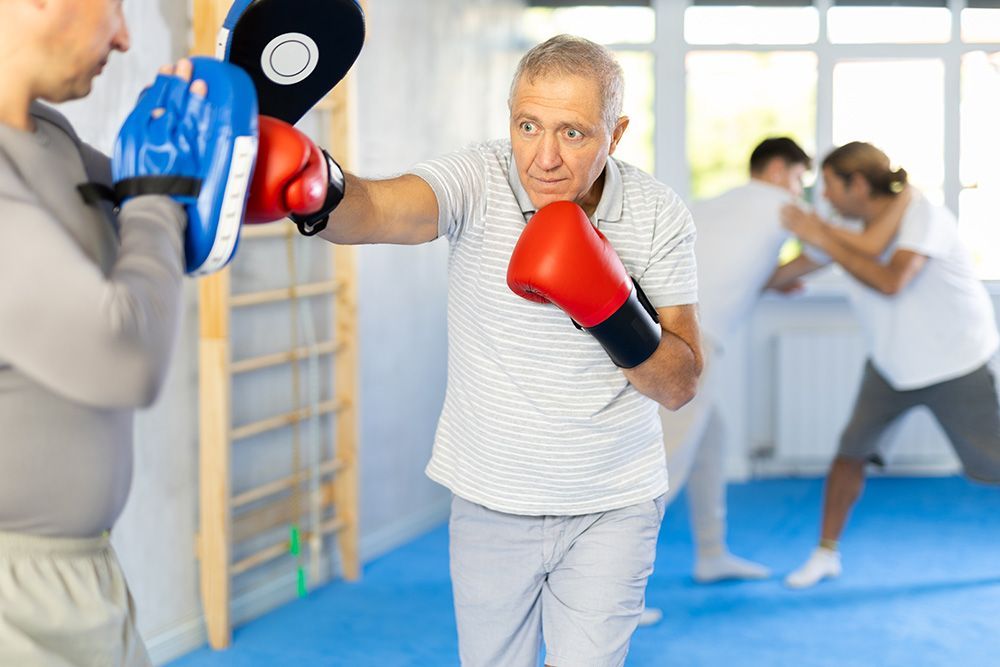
549,437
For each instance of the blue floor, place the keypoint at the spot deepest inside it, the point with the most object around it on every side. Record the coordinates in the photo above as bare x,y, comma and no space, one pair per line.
921,587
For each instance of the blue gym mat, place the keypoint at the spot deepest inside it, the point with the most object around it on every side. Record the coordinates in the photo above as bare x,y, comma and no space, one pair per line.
920,588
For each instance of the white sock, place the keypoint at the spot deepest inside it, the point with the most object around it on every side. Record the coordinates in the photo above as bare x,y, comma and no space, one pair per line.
822,564
650,616
722,566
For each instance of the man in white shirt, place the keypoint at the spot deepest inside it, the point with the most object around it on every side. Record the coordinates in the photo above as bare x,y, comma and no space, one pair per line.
739,238
929,326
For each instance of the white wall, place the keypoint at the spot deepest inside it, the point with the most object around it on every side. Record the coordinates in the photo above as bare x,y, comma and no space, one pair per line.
432,77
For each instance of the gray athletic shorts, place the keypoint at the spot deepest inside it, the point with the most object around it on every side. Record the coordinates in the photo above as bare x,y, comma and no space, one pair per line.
579,581
966,408
64,603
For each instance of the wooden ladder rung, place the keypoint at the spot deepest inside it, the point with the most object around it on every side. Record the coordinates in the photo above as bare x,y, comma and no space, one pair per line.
281,512
278,358
280,549
287,419
259,558
264,490
270,230
285,293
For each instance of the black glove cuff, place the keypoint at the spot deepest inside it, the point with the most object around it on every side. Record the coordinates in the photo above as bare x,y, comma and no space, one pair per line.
632,334
314,223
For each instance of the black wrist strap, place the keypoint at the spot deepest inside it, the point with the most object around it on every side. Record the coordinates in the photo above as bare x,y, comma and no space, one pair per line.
314,223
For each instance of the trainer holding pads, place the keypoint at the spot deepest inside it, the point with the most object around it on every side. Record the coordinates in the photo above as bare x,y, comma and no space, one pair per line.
554,454
90,313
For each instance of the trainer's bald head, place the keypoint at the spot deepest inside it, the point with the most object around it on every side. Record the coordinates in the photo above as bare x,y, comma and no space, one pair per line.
53,49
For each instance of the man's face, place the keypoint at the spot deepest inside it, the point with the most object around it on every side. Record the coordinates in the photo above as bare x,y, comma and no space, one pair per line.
843,194
80,36
560,141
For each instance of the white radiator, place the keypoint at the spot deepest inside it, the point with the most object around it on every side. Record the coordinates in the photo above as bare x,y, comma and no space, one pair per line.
816,377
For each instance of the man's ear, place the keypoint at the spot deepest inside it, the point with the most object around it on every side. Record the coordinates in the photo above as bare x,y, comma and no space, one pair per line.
617,132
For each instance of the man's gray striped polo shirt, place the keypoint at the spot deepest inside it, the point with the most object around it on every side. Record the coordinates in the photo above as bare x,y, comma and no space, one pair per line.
537,420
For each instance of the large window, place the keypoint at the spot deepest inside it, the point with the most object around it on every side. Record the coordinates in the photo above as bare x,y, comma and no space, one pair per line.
737,98
898,105
979,162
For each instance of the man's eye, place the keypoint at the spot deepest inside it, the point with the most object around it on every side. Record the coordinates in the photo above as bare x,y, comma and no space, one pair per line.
528,127
574,134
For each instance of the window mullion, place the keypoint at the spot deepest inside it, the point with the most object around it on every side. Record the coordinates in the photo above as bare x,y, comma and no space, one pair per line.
670,108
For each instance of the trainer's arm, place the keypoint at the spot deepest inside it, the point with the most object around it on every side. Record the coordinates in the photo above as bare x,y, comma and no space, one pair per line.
101,340
397,210
670,376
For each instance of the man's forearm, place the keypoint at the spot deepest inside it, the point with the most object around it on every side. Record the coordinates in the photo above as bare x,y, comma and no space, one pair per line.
864,268
396,210
670,376
350,221
790,272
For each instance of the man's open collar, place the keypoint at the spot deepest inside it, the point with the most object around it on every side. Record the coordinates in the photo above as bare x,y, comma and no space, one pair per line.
609,208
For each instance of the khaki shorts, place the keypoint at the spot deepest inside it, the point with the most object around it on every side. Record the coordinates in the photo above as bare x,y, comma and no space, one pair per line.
64,603
577,581
965,407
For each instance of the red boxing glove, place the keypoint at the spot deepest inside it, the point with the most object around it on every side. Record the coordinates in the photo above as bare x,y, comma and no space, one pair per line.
561,258
291,176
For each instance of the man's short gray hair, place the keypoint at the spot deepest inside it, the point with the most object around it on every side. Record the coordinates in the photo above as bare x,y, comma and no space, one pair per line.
567,54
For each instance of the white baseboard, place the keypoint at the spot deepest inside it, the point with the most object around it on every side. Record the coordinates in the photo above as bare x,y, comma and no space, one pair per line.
189,634
388,538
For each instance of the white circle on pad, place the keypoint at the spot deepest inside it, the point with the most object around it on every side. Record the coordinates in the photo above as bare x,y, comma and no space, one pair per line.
289,58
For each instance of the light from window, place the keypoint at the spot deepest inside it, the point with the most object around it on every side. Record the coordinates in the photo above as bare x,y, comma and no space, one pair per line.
981,25
977,225
604,25
893,25
897,105
751,25
737,99
979,168
637,146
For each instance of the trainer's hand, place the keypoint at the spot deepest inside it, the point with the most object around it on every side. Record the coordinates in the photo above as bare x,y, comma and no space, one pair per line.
183,69
197,150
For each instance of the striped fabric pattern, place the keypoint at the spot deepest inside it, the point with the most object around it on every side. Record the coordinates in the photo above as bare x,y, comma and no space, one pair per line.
537,420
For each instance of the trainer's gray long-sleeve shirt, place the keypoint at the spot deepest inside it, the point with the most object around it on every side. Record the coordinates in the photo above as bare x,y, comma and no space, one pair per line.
89,310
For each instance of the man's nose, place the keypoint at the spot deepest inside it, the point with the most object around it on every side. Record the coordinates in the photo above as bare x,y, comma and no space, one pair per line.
122,40
548,156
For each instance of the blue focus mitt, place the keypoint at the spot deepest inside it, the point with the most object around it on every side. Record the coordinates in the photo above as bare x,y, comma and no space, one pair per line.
200,150
295,51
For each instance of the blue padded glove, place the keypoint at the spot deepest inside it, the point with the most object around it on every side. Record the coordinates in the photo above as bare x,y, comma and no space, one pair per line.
201,152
